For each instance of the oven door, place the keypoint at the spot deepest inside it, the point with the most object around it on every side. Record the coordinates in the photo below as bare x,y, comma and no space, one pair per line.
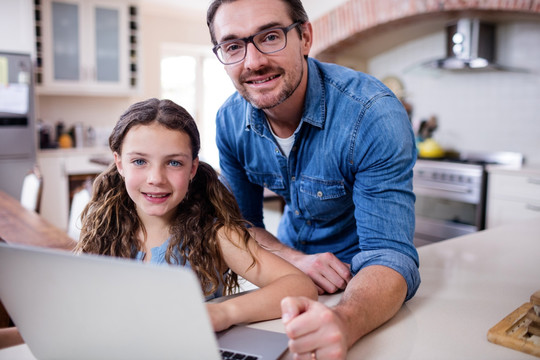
449,200
440,219
445,211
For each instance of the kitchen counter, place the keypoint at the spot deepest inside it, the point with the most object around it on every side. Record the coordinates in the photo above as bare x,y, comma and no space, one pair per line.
469,284
63,171
513,193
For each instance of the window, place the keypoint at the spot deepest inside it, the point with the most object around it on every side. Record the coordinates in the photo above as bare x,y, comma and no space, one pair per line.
193,78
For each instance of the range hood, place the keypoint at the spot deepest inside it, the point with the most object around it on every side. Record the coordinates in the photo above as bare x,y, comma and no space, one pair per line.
470,46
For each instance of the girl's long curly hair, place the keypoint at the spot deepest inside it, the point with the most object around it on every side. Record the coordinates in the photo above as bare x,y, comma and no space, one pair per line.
110,223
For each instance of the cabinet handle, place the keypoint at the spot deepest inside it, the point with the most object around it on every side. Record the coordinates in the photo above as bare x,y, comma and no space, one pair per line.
532,207
535,181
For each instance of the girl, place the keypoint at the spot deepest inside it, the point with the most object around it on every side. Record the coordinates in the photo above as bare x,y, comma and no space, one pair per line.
158,203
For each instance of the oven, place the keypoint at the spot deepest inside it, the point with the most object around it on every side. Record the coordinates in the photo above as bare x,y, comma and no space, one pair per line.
451,195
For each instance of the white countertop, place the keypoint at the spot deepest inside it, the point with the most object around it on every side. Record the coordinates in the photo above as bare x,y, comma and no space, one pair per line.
75,151
468,285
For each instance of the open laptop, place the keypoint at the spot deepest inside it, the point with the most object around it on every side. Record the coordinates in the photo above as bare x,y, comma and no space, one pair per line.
70,306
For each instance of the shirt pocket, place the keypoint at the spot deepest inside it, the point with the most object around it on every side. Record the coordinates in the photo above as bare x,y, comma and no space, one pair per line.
273,182
322,199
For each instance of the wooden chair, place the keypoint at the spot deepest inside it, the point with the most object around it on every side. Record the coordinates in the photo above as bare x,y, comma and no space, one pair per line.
32,189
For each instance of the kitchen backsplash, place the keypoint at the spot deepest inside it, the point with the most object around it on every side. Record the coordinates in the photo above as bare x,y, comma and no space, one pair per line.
490,111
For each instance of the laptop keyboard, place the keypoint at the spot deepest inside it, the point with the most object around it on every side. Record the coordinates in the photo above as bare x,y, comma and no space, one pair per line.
231,355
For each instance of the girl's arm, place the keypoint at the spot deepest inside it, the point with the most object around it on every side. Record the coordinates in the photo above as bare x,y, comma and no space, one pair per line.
10,337
275,277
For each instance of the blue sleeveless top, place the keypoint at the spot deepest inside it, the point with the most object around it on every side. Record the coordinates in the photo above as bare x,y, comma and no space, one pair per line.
158,257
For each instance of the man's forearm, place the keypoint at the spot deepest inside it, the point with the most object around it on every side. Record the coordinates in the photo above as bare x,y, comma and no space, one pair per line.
372,297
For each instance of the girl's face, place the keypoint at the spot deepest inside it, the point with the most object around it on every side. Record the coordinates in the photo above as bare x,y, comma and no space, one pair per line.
157,166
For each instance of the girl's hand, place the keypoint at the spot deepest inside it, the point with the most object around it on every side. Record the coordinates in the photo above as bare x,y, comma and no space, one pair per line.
218,316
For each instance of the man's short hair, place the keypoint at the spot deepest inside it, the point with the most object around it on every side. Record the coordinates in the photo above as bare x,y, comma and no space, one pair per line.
296,13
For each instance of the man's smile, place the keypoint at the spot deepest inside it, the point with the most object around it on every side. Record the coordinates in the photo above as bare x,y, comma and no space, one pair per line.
262,81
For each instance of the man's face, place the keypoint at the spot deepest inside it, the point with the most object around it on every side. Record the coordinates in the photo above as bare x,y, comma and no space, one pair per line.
265,80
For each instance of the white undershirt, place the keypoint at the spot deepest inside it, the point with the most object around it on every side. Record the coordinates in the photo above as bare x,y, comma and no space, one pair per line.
285,144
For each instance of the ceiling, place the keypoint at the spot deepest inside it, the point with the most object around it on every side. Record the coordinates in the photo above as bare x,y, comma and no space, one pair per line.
314,8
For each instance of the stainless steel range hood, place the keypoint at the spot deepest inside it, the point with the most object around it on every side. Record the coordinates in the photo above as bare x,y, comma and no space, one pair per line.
470,46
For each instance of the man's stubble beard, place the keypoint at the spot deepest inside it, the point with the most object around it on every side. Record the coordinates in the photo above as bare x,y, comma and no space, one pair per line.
288,90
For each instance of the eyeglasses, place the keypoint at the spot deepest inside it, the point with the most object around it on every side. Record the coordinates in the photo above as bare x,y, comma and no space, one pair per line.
267,42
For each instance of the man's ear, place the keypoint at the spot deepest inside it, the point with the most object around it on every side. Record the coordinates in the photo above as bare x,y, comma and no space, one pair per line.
307,37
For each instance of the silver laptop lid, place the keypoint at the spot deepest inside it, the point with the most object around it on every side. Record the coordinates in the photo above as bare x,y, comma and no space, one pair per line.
96,307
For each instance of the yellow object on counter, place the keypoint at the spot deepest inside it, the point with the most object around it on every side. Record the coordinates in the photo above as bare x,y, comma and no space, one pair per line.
65,141
429,148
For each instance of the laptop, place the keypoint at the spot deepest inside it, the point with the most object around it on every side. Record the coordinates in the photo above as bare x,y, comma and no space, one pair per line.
70,306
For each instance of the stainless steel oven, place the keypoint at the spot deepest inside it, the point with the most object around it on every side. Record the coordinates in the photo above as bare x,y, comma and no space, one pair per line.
450,194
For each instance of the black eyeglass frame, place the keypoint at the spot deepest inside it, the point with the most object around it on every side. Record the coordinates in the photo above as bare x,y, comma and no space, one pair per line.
249,39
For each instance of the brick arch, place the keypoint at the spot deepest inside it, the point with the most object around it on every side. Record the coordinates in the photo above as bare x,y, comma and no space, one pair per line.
355,18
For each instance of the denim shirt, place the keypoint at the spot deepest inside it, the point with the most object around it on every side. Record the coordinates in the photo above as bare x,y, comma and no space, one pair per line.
158,257
347,182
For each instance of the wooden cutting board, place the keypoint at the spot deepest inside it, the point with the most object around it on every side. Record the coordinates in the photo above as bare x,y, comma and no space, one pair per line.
519,330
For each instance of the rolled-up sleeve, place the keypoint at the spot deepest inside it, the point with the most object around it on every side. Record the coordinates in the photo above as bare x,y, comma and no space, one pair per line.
395,260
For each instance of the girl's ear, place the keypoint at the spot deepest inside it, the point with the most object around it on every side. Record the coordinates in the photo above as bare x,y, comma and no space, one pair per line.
194,167
118,163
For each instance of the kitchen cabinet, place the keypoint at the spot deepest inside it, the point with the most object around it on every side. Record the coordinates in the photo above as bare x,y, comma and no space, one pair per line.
86,47
512,195
63,170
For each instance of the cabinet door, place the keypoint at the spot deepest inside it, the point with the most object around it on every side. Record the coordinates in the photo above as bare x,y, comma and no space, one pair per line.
107,40
66,44
85,48
512,197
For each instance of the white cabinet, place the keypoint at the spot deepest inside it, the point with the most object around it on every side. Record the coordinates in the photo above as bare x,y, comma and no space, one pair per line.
512,195
86,47
62,169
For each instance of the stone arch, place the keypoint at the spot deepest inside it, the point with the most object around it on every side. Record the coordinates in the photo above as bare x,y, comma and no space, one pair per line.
356,20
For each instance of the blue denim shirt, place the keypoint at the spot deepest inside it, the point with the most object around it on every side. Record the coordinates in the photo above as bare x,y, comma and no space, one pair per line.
347,182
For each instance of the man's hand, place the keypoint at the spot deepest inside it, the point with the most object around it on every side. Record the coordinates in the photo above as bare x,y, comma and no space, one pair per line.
372,297
313,329
327,272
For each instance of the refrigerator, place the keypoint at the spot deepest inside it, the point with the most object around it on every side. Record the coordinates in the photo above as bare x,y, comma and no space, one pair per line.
18,137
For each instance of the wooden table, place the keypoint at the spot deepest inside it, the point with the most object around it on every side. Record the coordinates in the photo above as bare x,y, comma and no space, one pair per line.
21,226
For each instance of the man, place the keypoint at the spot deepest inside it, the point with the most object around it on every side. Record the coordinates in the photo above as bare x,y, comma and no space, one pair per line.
339,148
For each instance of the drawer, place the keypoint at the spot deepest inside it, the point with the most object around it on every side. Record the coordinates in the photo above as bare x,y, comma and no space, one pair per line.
504,211
515,186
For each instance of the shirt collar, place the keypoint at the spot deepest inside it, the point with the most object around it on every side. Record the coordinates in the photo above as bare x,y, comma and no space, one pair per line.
314,104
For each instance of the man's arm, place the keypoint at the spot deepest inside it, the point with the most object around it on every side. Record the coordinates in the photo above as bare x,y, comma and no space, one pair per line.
327,272
372,297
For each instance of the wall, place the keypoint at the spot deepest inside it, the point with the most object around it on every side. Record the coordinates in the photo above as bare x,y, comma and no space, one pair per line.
494,111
